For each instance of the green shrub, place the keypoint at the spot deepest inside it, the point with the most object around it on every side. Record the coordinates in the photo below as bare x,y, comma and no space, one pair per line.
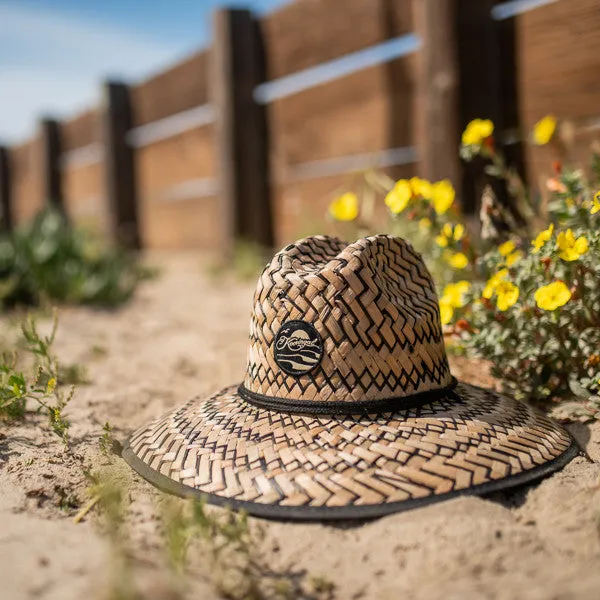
529,304
538,321
48,260
534,311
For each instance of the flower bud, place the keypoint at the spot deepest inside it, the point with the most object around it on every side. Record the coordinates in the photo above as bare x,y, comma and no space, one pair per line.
463,325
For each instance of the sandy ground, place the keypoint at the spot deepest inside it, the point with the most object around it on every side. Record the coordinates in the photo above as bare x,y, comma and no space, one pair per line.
184,335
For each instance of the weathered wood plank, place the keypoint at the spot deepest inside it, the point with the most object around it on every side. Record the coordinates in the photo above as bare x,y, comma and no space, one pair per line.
237,68
182,87
307,33
558,65
80,131
52,190
6,219
437,84
120,180
364,112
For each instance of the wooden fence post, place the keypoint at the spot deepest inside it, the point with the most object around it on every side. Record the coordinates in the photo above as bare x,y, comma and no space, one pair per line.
479,90
52,190
6,221
237,67
487,90
437,132
119,166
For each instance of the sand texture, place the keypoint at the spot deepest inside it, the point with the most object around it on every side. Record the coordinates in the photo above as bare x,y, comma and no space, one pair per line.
185,334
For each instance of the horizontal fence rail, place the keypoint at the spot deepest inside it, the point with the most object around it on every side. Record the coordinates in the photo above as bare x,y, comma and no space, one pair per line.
350,164
337,68
283,108
171,126
507,10
83,157
188,190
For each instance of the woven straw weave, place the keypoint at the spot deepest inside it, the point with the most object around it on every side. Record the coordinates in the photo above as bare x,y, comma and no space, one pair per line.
374,304
242,453
343,433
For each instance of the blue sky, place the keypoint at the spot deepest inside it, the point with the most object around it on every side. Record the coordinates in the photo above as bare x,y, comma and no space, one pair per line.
54,53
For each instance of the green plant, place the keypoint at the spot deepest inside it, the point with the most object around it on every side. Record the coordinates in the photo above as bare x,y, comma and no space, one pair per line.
49,260
226,539
73,374
107,441
248,259
538,321
247,262
108,493
418,210
534,311
233,556
41,386
322,585
529,306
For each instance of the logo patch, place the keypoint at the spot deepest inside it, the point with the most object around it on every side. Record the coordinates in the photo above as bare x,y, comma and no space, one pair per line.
298,348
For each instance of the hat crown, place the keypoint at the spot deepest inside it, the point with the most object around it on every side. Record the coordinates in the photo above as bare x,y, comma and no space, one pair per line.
339,322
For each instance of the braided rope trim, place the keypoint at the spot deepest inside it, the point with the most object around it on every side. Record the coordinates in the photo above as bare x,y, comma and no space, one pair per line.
315,407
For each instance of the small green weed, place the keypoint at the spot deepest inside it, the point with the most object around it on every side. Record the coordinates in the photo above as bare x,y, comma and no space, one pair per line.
248,261
232,549
322,585
41,386
108,493
109,446
49,260
98,351
73,374
229,548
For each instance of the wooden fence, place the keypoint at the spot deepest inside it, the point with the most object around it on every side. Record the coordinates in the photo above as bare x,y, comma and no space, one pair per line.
251,137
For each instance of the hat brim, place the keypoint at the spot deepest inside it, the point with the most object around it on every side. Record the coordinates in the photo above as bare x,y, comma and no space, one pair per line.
313,467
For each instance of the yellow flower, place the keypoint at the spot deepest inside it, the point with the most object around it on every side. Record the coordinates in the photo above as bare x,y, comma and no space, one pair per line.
595,204
51,385
457,260
345,207
421,187
477,131
441,240
507,295
571,248
442,196
454,293
449,232
425,224
446,312
399,197
542,238
459,232
493,281
511,259
543,130
553,295
506,248
453,297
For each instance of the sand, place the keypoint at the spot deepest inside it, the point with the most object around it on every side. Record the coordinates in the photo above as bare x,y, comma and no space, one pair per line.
185,334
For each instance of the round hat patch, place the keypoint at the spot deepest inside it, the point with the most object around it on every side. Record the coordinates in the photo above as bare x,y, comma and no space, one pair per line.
298,347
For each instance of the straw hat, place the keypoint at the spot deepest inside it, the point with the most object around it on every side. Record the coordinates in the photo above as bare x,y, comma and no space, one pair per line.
348,408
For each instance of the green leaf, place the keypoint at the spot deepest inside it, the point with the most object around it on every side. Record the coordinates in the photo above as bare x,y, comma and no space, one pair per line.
492,170
577,389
